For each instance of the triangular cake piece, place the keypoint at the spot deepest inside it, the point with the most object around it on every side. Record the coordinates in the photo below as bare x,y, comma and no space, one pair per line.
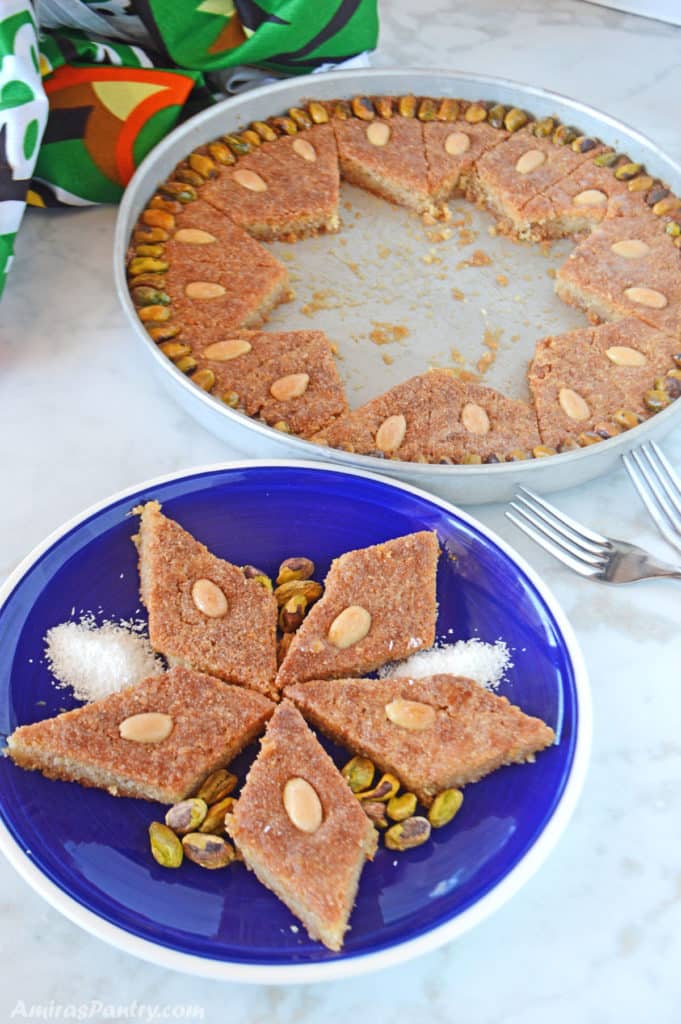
286,189
387,156
595,379
203,612
299,828
433,733
452,151
378,605
191,724
216,274
282,377
436,417
629,266
523,167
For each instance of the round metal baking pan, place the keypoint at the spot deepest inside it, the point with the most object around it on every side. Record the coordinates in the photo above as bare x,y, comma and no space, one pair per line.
463,484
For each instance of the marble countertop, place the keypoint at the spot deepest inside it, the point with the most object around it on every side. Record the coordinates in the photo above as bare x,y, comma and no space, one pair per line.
596,934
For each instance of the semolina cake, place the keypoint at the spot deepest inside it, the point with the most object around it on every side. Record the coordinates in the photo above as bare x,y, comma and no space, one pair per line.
626,267
378,605
216,274
203,612
286,189
452,152
299,828
582,200
288,378
596,380
156,740
523,167
387,156
436,417
434,733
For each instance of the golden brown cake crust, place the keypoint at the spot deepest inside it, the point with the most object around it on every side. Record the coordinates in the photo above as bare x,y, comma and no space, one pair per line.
314,874
301,196
239,647
395,582
473,733
579,361
212,722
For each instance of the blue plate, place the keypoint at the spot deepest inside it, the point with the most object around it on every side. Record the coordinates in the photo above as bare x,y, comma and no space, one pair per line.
87,852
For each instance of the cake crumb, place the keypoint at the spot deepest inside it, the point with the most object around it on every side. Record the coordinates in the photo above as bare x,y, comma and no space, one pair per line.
458,294
479,259
387,359
551,272
384,333
502,280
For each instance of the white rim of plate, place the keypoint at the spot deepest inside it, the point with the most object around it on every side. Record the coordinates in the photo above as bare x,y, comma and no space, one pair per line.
343,967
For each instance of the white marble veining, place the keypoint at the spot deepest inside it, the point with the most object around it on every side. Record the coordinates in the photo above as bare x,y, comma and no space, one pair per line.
595,936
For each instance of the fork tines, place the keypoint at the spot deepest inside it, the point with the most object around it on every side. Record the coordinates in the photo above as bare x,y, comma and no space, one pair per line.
578,547
659,487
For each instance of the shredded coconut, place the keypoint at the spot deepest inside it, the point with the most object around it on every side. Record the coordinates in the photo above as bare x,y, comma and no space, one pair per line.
98,660
484,663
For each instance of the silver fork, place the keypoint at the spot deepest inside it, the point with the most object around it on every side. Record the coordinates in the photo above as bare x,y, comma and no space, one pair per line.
587,552
659,487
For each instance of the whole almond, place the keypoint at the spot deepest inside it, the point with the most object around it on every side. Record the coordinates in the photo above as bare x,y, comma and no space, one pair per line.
302,804
573,405
630,248
530,161
223,351
378,133
203,290
147,727
292,386
410,714
349,627
590,197
475,419
646,297
457,143
194,236
209,599
390,434
623,355
305,149
250,180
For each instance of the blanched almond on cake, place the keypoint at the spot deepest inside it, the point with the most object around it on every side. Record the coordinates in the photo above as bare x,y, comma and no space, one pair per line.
293,385
305,149
390,434
302,804
223,351
590,197
209,599
410,714
623,355
475,419
349,627
204,290
147,727
194,236
250,180
646,297
630,248
530,161
573,405
457,143
378,133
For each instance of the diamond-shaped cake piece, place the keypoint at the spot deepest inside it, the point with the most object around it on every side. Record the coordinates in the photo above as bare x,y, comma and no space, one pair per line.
217,274
379,605
585,380
157,740
387,156
286,377
628,266
300,829
287,188
203,612
433,733
436,417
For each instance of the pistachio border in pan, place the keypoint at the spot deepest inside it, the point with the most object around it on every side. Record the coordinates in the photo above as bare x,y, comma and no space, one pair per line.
146,265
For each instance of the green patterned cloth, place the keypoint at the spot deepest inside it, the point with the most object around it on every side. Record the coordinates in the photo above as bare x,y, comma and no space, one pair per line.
88,87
